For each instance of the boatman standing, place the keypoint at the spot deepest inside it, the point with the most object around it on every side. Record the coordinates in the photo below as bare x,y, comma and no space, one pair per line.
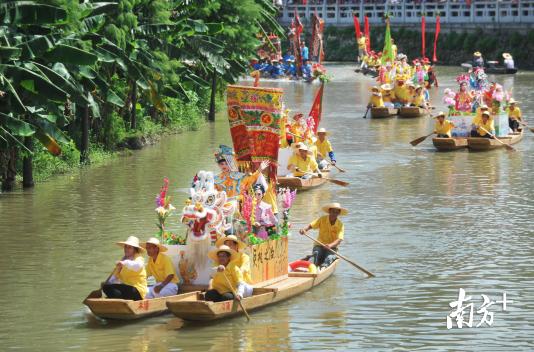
160,266
330,234
362,45
304,51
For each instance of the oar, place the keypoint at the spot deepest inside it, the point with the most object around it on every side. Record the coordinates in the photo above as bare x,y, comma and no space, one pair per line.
364,116
420,139
342,257
98,293
428,111
507,146
530,128
321,156
235,295
337,182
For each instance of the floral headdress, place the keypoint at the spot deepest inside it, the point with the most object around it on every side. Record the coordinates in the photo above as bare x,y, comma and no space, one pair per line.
463,79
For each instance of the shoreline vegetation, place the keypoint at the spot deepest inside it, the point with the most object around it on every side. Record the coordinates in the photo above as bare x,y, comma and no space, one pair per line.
81,82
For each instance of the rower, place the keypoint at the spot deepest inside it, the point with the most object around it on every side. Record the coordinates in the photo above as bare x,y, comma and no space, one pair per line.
514,116
218,289
362,45
418,98
242,260
288,56
330,234
302,165
478,61
487,124
129,281
161,268
323,147
388,96
393,47
443,127
508,61
375,100
306,70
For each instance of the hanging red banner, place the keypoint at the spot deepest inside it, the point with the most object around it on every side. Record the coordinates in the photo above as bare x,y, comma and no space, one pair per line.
366,28
423,36
357,26
434,59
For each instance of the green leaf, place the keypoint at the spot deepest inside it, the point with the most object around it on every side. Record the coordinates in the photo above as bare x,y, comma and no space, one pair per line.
53,131
17,127
87,8
197,25
94,105
214,28
172,51
70,55
266,37
19,76
197,80
105,7
35,14
157,101
61,70
171,93
152,29
273,25
8,52
104,55
208,51
133,71
92,24
105,90
11,140
16,103
35,48
76,95
49,143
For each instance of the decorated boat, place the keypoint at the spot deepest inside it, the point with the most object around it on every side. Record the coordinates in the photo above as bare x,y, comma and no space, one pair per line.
480,143
454,143
196,308
411,111
381,113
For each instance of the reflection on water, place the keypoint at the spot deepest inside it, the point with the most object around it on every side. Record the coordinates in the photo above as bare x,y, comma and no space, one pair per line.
426,223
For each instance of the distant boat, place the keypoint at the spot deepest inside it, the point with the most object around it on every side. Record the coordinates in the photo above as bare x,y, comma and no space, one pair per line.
490,67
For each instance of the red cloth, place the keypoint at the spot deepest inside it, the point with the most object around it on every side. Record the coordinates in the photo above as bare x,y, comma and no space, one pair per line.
317,108
357,26
367,33
423,22
434,59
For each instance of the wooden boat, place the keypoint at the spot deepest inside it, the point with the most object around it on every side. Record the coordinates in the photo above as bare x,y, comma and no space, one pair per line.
381,113
491,69
195,308
123,309
411,111
454,143
372,73
300,184
481,143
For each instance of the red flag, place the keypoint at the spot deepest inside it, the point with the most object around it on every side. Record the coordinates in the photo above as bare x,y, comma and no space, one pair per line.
317,108
423,36
298,24
436,40
367,33
357,26
467,2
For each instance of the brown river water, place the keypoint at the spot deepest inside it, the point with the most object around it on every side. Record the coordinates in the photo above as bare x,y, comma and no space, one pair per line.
425,223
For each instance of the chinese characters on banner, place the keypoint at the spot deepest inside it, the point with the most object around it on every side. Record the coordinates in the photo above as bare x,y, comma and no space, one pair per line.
461,311
268,260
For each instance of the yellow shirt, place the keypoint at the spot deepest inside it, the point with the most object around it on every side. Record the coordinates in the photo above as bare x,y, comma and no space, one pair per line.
162,268
514,115
418,99
296,130
323,147
388,96
445,130
243,263
400,92
394,48
233,274
488,127
376,101
478,119
136,279
270,197
327,232
362,43
305,166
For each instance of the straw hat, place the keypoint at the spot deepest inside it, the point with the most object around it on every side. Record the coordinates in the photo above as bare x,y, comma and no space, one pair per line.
131,241
409,84
375,87
513,101
417,87
386,86
155,242
440,114
220,242
323,130
477,54
483,106
326,209
223,248
303,147
486,113
507,56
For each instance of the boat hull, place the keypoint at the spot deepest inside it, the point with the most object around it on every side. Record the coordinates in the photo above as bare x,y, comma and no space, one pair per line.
499,70
369,72
411,111
196,309
454,143
382,113
300,184
480,143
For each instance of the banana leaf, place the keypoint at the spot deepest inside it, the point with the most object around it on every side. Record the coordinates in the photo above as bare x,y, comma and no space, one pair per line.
61,70
17,127
157,101
171,93
94,105
152,29
11,140
35,14
16,103
53,131
92,24
214,28
49,143
105,7
7,52
35,48
273,25
104,55
172,51
105,90
33,82
197,25
70,55
87,9
197,80
76,95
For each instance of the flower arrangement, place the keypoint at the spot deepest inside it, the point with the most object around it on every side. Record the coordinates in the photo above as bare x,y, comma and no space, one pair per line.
164,209
310,125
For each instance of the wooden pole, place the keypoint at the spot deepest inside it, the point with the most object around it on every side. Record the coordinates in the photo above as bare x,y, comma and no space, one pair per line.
235,295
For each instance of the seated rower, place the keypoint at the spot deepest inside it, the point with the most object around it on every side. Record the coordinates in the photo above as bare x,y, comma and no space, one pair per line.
303,165
484,126
514,116
242,261
375,100
443,127
161,268
330,234
324,147
388,96
129,281
418,98
306,70
218,288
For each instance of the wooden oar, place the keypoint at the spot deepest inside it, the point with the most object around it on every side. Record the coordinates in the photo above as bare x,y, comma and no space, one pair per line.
98,293
337,182
420,139
235,295
507,146
342,257
530,128
321,156
364,116
428,111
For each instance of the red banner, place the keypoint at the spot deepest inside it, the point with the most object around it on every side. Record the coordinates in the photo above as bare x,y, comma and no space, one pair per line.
317,108
423,36
357,26
366,28
434,59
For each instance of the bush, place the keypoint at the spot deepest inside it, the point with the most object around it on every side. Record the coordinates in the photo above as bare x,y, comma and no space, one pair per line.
530,36
469,43
515,39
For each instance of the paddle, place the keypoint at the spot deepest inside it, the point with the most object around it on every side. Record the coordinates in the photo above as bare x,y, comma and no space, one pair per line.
530,128
364,116
98,293
507,146
337,182
428,111
420,139
235,295
342,257
321,156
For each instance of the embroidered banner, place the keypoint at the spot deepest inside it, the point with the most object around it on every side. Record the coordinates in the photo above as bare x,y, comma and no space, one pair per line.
316,55
254,115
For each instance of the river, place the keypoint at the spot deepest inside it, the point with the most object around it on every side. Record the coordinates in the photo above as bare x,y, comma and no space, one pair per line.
425,223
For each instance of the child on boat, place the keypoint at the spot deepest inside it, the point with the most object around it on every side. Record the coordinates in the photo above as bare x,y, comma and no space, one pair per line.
324,147
160,266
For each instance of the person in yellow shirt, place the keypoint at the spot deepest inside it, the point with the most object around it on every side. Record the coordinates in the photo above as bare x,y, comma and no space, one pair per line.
362,44
443,127
324,147
400,91
242,260
375,100
161,268
484,126
388,96
302,165
129,278
285,127
394,48
218,288
417,98
514,116
330,234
